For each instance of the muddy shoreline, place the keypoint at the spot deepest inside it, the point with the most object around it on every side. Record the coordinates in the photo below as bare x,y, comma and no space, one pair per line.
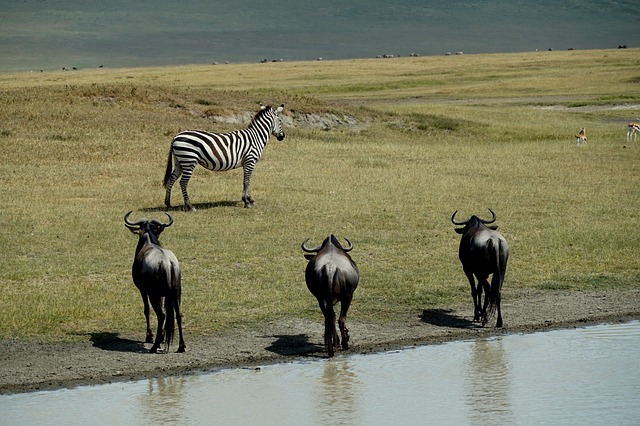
108,357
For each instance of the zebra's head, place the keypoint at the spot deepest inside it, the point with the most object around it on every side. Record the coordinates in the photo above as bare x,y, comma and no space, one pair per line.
276,124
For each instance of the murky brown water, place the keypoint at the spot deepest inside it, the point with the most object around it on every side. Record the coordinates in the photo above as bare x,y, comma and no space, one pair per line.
579,376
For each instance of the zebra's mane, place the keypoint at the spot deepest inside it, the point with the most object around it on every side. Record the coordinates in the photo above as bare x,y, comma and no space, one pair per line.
261,113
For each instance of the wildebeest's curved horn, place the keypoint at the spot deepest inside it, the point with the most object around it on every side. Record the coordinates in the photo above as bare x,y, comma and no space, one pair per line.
493,218
455,222
346,249
136,223
310,250
164,225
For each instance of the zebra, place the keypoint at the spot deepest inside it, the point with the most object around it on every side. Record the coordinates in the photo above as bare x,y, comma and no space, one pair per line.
221,151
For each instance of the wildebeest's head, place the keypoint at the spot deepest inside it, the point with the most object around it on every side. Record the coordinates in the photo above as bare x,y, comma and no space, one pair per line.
151,227
472,222
331,239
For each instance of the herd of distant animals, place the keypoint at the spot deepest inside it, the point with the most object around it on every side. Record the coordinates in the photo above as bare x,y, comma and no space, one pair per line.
633,129
331,274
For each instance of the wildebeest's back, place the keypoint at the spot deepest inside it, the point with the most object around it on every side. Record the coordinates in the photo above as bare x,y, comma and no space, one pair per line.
481,248
336,264
155,269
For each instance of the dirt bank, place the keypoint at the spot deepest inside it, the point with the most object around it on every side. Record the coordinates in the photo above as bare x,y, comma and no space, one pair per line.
104,357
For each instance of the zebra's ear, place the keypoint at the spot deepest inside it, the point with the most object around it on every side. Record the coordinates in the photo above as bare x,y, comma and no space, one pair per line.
262,106
280,108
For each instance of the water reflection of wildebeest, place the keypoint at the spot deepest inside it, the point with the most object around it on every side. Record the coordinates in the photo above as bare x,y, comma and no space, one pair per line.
332,276
483,251
156,273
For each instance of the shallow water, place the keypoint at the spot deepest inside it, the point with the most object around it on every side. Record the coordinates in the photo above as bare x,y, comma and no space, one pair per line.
578,376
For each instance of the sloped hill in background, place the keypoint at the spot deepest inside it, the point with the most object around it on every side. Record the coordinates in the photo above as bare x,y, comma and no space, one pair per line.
41,34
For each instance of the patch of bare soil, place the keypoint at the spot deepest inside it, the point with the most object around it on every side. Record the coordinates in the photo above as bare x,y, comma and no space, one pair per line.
104,357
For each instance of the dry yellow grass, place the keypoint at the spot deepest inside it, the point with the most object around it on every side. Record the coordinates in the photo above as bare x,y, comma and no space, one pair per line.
435,134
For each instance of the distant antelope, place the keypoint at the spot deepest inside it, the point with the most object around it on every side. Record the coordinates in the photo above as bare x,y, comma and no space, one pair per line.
581,137
632,129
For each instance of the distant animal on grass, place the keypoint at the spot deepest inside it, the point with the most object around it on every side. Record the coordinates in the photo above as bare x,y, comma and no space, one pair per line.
156,273
483,251
581,137
633,129
221,151
332,276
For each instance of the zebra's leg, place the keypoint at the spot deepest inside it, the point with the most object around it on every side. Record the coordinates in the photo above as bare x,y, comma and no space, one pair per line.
177,171
187,171
246,192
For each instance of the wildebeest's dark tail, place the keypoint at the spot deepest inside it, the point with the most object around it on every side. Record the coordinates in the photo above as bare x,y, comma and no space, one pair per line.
169,169
170,302
498,277
330,333
169,322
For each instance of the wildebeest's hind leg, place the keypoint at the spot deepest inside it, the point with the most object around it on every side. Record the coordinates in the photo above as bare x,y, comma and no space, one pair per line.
483,284
496,291
499,320
342,321
476,297
181,346
149,336
330,335
156,303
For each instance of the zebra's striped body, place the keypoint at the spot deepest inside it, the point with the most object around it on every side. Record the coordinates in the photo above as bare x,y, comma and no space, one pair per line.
221,151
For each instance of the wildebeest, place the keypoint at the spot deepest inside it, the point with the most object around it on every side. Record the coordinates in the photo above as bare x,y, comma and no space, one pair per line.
483,251
156,273
332,276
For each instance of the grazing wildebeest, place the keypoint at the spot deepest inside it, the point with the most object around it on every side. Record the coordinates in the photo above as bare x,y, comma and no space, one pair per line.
156,273
483,251
332,276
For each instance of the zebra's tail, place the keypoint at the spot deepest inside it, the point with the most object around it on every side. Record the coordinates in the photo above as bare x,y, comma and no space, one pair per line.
169,169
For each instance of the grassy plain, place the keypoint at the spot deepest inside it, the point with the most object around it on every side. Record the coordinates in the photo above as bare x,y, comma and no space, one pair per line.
433,135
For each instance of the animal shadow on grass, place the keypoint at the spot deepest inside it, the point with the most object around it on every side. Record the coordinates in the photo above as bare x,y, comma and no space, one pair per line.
215,204
444,318
111,342
198,206
294,345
